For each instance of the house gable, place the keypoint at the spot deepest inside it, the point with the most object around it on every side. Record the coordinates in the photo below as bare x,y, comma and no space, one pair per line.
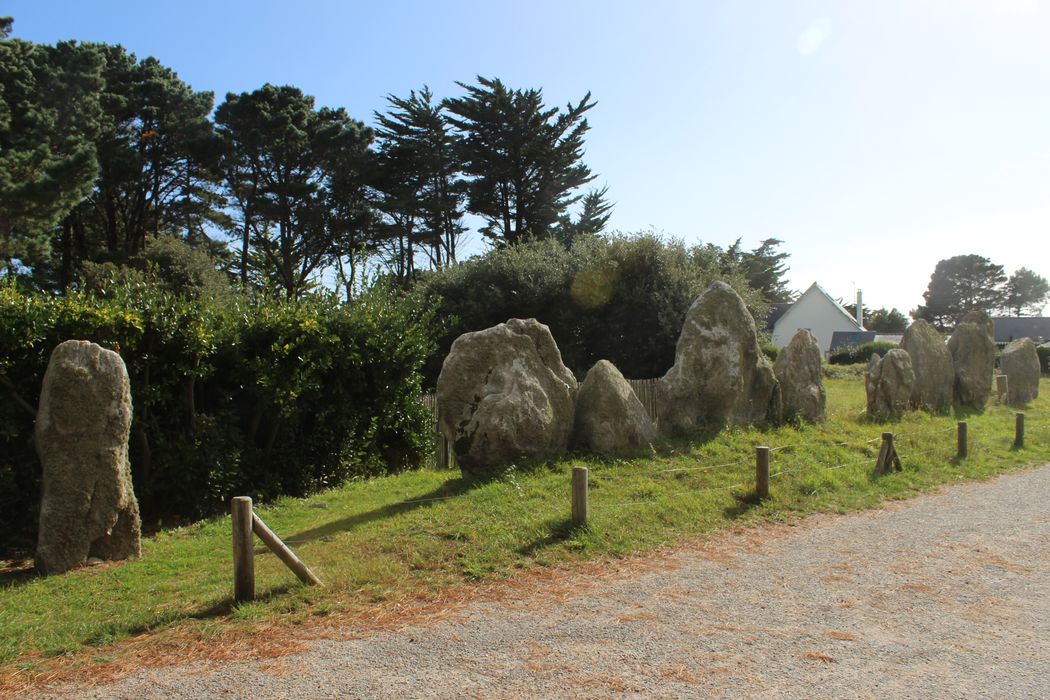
817,311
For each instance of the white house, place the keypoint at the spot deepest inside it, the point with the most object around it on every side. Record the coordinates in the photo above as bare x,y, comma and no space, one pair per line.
817,311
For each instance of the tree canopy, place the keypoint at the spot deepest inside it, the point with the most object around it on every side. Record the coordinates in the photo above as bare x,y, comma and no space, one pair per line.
959,285
50,118
523,160
1025,291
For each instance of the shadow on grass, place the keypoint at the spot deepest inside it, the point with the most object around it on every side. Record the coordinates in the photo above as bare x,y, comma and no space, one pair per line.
452,487
18,574
743,502
221,608
558,530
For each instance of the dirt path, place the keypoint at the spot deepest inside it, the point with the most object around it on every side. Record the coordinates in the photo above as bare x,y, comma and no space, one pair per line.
946,595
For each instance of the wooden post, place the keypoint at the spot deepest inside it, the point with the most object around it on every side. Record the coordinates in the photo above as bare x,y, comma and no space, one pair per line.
1019,431
1002,388
281,550
963,448
888,459
243,556
762,471
579,496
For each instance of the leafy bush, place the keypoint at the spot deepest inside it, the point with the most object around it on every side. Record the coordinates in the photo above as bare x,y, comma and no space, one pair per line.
770,351
240,396
860,353
622,298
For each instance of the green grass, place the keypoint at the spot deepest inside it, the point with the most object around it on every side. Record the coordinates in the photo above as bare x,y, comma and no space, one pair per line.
422,532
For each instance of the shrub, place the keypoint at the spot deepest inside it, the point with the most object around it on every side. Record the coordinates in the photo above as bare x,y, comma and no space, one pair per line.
770,351
622,298
1044,357
239,396
860,353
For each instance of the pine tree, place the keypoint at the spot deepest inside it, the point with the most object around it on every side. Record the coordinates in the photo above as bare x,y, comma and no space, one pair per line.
959,285
523,160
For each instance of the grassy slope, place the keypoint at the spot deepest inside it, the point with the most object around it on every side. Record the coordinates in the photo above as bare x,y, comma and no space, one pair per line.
377,539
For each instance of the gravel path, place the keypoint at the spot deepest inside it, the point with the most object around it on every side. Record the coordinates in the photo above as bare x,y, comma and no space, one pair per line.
946,595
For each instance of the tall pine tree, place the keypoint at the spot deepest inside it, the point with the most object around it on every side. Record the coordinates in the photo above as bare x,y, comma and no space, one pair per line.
523,160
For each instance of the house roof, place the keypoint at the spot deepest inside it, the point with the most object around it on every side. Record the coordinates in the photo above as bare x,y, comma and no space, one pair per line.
776,310
817,289
1012,327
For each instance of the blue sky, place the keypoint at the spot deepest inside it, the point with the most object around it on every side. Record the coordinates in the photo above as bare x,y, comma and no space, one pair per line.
873,138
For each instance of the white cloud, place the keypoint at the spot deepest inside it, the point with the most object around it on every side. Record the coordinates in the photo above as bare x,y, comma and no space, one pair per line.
814,36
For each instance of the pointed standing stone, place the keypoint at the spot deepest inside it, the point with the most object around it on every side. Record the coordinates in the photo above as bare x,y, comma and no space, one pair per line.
88,507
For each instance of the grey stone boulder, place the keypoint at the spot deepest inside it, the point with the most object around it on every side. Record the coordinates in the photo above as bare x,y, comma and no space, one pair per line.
972,347
88,506
610,420
798,369
720,375
1020,363
504,395
889,383
932,364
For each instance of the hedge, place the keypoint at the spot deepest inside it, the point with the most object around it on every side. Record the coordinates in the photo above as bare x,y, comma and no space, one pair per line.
241,396
622,298
1044,357
860,353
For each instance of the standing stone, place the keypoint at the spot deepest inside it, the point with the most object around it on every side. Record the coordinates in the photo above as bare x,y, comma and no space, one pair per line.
932,364
504,395
610,420
720,374
798,369
889,384
972,347
1020,363
88,508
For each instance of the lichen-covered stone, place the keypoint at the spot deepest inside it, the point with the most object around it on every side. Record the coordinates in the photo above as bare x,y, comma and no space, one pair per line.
798,369
88,506
610,420
1020,363
889,383
504,395
931,363
720,375
972,347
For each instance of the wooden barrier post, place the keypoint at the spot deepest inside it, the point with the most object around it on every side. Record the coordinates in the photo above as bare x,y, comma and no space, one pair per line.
1019,431
579,496
963,448
762,471
286,555
888,459
243,556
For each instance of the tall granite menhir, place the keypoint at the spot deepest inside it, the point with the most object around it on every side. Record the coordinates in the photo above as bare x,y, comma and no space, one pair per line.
799,371
972,347
932,364
1020,363
720,375
504,395
88,507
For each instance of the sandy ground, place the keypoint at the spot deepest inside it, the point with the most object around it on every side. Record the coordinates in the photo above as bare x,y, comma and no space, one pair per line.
947,595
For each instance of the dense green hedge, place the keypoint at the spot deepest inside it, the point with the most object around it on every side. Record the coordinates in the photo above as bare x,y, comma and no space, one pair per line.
1044,357
621,298
237,396
861,353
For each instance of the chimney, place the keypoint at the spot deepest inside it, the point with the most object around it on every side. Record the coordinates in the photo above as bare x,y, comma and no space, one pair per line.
860,308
